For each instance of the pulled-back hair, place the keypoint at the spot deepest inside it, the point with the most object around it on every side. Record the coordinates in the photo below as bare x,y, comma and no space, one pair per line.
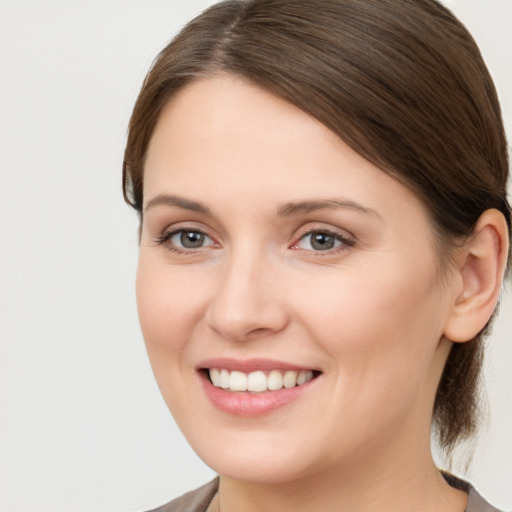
401,81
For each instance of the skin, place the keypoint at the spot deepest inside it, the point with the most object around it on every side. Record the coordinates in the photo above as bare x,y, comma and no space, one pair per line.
370,314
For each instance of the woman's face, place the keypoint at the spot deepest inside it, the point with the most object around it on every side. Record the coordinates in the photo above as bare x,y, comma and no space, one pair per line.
273,256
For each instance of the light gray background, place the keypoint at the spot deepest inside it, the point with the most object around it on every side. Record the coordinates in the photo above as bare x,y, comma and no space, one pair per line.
82,424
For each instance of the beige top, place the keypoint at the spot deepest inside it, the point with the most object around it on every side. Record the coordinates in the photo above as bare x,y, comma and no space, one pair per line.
206,499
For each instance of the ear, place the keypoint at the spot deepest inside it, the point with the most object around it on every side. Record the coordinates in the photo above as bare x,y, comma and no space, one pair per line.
480,269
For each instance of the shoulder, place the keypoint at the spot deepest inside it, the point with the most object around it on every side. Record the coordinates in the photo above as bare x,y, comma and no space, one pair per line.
193,501
475,502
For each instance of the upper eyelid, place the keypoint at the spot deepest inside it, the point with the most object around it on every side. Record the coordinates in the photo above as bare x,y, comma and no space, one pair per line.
322,228
160,220
176,227
169,233
337,236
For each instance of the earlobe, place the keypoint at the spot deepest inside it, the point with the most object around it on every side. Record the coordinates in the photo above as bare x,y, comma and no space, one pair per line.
481,267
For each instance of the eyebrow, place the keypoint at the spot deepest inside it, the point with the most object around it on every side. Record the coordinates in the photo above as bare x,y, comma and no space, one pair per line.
304,207
287,210
180,202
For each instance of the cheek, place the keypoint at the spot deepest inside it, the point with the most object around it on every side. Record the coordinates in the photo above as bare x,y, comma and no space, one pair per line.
170,306
377,324
170,309
381,334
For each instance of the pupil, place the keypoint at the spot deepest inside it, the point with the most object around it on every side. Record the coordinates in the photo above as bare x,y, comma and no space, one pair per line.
191,239
322,241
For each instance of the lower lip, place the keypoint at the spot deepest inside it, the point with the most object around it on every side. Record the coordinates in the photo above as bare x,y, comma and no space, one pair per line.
250,405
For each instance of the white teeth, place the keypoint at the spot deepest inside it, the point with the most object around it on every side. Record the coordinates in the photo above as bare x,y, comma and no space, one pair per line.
215,377
238,381
258,382
304,377
224,379
290,379
275,380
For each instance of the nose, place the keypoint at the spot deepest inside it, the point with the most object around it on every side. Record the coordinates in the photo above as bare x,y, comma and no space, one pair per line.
247,302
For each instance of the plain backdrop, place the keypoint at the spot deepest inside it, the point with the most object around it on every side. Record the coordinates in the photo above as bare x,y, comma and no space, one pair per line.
82,424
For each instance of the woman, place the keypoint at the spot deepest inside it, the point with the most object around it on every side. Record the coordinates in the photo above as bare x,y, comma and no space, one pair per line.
324,234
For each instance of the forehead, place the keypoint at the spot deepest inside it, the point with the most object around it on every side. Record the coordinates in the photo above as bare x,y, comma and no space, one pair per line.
225,113
234,142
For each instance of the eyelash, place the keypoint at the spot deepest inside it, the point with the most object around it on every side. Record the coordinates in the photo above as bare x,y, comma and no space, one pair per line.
165,238
345,243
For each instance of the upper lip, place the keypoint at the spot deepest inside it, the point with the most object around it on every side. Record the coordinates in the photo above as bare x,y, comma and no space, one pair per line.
250,365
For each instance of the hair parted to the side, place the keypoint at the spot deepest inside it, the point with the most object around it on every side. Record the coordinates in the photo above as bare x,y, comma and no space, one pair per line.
401,81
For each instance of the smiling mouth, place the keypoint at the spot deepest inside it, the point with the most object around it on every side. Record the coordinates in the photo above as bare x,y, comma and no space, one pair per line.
258,381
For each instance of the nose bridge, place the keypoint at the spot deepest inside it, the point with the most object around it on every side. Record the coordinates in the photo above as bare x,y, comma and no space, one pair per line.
244,303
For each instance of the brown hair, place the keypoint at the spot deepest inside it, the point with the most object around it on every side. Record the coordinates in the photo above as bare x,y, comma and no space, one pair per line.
401,81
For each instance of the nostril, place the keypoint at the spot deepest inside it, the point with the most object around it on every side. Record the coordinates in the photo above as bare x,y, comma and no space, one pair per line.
259,330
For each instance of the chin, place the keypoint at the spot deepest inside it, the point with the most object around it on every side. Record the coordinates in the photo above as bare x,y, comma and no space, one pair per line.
258,459
268,471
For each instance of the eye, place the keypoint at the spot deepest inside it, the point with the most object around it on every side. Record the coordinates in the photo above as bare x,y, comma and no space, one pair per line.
190,239
185,240
322,241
